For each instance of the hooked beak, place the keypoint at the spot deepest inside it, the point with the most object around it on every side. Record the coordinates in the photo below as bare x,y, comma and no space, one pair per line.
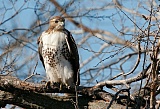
61,23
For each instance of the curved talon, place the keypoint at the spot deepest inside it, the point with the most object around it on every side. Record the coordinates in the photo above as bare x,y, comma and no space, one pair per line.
68,87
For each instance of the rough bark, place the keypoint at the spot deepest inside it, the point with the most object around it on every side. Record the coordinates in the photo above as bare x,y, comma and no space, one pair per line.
30,95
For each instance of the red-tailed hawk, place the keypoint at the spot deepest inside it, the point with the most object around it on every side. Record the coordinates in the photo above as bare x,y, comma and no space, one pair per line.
58,53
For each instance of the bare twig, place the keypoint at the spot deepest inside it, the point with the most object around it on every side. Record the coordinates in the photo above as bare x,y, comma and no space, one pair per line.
33,74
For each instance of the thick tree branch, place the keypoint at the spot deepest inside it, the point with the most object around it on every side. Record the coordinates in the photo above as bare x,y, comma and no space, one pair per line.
28,95
31,100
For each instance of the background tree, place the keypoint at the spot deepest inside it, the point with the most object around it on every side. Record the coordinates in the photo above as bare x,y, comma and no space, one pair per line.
117,42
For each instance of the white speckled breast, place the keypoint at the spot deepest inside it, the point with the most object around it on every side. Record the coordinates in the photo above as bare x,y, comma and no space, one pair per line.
56,54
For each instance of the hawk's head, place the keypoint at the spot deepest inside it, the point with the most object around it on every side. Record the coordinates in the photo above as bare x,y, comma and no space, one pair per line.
57,23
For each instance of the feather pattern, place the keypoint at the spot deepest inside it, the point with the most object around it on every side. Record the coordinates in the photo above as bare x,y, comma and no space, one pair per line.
58,53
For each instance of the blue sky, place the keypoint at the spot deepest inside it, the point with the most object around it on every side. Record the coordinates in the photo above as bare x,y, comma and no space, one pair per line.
96,19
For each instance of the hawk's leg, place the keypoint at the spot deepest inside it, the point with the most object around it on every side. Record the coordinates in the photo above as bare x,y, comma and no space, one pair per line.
60,87
47,83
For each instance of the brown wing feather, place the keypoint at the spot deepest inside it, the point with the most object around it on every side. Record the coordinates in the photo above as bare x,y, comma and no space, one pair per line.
39,42
74,59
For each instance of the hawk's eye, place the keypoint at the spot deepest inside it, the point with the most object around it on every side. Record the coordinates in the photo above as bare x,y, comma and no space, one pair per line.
56,21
